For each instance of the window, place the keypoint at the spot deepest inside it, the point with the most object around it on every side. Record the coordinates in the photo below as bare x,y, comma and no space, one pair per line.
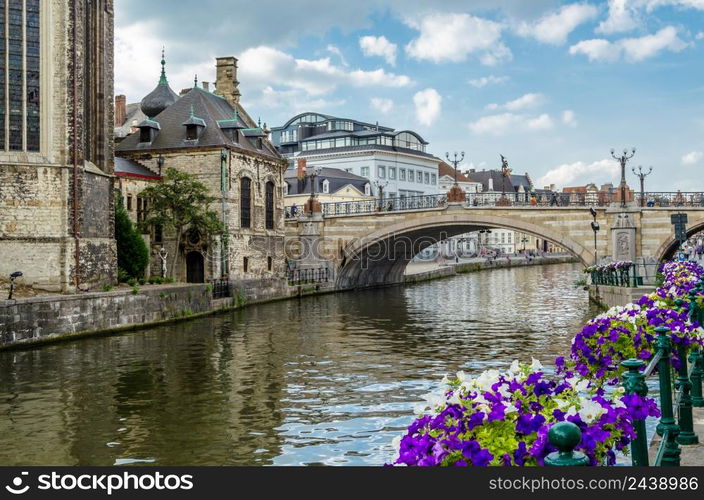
381,172
286,188
433,179
402,174
503,237
129,202
427,178
509,237
158,234
245,264
191,133
326,186
367,189
19,75
411,178
269,202
145,134
259,143
245,202
269,263
392,173
365,172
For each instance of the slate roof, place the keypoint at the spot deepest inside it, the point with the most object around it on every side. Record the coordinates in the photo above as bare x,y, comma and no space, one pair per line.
445,169
129,168
134,116
336,177
211,108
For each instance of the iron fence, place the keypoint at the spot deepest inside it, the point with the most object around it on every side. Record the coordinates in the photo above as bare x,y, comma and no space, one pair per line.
221,289
308,275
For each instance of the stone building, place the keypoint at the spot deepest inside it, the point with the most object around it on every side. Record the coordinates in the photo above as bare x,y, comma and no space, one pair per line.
212,137
56,148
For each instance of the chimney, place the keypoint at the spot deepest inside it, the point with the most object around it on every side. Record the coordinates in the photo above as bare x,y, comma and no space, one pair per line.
120,110
472,170
206,86
226,83
301,168
491,184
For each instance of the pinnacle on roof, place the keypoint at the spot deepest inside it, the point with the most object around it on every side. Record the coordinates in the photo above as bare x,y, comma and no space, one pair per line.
161,97
163,80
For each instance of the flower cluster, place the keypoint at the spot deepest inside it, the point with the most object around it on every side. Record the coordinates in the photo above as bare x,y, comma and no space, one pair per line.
621,265
504,419
629,332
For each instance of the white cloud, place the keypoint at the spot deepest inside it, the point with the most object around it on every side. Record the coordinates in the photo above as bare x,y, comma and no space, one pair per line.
692,158
651,5
580,173
428,105
568,118
447,37
700,35
623,16
293,100
554,28
631,49
526,101
378,46
381,104
262,66
336,50
487,80
510,122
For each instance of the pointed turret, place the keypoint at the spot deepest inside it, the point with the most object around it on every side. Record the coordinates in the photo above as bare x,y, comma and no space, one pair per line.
161,97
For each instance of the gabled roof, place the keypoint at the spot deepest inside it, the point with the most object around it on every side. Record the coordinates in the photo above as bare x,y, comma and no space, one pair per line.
336,177
445,169
211,109
129,168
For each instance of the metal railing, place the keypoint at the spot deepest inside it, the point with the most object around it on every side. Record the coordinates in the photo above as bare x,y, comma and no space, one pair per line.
617,277
221,288
308,276
536,199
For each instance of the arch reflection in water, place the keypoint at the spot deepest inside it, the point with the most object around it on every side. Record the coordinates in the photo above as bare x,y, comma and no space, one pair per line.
324,380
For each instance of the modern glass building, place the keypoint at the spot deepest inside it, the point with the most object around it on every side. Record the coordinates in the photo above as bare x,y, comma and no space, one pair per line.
396,163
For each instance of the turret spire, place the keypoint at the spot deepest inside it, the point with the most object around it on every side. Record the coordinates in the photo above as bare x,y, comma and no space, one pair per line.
163,80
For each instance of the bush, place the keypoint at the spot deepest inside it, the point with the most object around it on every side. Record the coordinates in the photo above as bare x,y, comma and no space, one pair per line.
155,280
168,279
132,281
122,275
107,288
135,290
132,251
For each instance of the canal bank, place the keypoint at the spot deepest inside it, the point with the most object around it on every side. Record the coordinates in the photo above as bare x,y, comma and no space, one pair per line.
27,322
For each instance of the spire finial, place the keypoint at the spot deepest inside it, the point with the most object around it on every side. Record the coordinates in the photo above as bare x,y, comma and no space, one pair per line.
195,82
259,122
163,80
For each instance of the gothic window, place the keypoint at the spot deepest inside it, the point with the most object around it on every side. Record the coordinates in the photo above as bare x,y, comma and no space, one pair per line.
19,75
245,202
269,205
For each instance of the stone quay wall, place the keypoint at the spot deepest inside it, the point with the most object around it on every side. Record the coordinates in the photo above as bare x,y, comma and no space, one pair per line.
610,296
25,322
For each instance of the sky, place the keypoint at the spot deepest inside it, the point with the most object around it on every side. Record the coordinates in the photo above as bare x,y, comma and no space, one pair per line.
552,85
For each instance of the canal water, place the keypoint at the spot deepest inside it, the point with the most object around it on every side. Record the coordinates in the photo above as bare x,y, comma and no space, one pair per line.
327,380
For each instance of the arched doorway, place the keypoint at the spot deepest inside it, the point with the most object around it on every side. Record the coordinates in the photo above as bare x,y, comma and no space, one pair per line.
195,268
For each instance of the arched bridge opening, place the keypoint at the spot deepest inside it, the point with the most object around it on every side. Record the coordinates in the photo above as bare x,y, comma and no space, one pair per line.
381,257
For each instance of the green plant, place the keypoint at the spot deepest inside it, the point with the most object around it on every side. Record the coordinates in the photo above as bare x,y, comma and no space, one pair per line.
142,281
135,289
132,281
580,283
659,279
162,294
122,275
208,287
107,288
132,251
181,202
155,280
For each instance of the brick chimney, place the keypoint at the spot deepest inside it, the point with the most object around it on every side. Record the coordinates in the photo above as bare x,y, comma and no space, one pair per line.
301,168
226,82
206,86
120,110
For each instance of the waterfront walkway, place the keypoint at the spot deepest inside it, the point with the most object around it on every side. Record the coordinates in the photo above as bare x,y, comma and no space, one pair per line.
692,454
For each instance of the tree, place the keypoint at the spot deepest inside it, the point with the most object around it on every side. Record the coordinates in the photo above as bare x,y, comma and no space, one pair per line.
180,202
132,251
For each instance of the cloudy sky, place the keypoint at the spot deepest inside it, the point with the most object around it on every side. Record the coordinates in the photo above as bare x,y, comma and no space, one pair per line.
552,85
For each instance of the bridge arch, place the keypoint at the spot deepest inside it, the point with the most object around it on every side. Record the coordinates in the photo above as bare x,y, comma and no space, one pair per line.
380,257
670,245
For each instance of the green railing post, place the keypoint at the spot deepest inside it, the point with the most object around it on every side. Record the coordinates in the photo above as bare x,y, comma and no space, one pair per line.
686,421
565,436
672,452
697,361
634,383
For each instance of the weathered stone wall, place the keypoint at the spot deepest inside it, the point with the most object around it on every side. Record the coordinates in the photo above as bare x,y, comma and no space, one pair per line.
610,296
36,320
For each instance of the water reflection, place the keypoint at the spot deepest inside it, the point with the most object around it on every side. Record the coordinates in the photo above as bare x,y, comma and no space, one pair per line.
325,380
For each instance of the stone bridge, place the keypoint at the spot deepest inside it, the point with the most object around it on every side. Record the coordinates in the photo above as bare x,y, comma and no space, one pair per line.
373,249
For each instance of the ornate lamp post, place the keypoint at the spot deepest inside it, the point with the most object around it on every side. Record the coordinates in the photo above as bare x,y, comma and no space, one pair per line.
595,228
623,159
456,194
642,175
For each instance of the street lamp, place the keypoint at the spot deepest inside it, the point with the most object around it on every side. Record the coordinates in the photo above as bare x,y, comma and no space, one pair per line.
622,161
455,162
641,175
160,163
13,276
595,228
524,240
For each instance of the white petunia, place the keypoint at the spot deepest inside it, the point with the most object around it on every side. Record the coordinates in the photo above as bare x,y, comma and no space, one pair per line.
536,365
590,410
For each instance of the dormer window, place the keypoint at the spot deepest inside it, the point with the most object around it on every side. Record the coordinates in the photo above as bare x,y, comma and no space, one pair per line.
191,133
259,143
148,130
326,186
194,126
